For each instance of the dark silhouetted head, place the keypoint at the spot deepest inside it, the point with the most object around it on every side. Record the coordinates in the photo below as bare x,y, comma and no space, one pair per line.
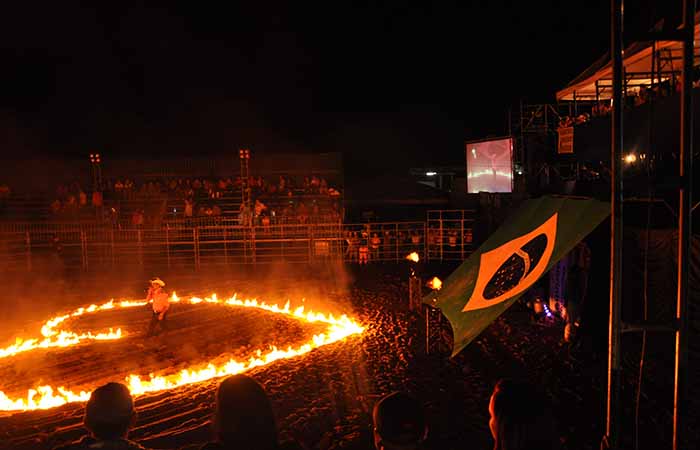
243,417
399,422
521,417
110,411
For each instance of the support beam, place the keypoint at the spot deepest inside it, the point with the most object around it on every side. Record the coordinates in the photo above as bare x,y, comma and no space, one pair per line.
680,388
612,425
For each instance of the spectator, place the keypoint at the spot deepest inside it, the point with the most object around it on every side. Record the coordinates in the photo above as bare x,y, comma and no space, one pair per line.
374,244
399,423
71,203
97,199
521,417
108,416
189,207
259,209
4,191
82,198
243,418
302,213
245,215
265,222
56,206
579,266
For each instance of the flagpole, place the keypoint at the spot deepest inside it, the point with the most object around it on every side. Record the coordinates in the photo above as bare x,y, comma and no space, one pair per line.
612,427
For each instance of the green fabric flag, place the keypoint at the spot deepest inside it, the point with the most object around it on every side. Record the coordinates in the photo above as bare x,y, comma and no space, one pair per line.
525,247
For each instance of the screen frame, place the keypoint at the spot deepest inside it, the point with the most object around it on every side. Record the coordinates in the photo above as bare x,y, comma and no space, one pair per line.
490,139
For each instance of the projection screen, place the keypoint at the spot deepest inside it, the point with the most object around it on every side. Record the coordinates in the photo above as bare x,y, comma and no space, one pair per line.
490,165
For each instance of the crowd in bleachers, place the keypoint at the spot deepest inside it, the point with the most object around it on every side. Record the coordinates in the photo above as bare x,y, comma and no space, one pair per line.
286,201
129,201
521,418
71,199
634,97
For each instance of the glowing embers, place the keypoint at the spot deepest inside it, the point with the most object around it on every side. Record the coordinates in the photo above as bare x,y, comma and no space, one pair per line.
43,397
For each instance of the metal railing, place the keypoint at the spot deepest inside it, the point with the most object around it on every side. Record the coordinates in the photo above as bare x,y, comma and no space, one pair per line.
183,244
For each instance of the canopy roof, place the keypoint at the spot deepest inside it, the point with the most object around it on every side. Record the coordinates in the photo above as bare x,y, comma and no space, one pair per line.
637,62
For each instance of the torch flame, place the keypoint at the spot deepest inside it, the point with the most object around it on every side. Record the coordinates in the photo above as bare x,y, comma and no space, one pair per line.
413,256
44,397
435,283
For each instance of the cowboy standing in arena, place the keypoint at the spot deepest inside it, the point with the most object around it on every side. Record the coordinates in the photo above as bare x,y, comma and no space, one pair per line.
159,304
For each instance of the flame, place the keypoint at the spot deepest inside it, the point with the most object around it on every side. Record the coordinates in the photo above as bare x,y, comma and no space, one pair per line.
413,256
44,397
435,283
54,338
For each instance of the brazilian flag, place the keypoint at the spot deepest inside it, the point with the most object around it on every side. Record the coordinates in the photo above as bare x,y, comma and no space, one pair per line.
525,247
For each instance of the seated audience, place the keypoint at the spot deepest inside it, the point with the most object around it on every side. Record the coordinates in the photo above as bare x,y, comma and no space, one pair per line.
399,423
108,416
521,417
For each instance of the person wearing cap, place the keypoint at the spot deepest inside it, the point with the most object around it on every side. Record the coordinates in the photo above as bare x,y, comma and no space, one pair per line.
159,305
399,423
108,416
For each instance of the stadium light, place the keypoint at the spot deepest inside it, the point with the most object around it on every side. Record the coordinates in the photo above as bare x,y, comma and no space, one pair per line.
244,153
430,174
630,158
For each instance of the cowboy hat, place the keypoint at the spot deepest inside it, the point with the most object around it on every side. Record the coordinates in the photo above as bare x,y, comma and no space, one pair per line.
158,281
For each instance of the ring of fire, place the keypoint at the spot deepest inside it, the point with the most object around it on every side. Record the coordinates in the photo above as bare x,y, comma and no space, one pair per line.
44,397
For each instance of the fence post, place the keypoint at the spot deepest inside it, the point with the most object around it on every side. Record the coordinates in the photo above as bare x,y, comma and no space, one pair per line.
282,239
441,237
245,245
461,236
83,249
253,244
195,239
311,242
167,243
396,241
28,250
140,245
426,253
225,245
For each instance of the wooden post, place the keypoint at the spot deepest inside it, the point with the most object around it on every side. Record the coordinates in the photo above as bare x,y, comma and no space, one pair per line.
414,292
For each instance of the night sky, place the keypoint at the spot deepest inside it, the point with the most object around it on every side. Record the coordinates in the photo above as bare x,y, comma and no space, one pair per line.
389,85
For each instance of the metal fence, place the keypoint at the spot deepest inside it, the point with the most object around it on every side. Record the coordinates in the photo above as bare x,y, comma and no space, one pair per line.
197,245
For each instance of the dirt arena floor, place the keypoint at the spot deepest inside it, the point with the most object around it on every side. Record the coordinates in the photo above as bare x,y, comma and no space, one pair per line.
324,398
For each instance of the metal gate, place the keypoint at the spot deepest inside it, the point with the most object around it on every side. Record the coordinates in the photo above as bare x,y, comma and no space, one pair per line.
450,234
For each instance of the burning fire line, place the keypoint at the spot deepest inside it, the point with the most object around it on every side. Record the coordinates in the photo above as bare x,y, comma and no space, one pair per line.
44,397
